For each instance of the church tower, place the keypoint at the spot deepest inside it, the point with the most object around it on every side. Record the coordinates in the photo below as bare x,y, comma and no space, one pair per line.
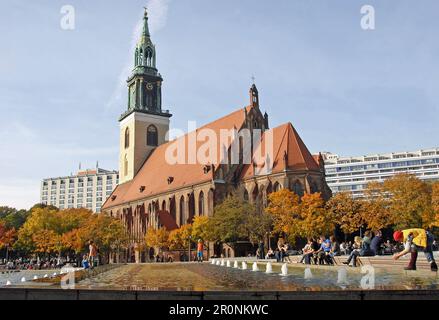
144,125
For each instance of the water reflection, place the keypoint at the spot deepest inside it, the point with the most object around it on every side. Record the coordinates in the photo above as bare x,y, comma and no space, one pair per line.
208,277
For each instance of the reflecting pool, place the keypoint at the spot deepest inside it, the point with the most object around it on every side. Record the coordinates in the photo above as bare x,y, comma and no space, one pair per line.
208,277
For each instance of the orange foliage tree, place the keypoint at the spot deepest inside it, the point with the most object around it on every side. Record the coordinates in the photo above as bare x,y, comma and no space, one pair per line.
409,201
305,218
157,238
347,212
284,208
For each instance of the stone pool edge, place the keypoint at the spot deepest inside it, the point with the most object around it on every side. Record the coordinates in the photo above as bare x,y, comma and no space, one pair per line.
85,294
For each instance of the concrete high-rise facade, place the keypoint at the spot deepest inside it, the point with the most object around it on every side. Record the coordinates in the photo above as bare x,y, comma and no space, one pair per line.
87,189
352,174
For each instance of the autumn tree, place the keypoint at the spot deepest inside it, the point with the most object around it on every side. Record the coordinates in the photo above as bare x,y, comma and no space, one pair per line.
7,237
375,207
347,212
313,219
180,238
200,228
409,201
157,238
284,208
435,203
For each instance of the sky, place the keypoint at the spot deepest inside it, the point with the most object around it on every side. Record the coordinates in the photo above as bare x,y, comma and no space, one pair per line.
346,90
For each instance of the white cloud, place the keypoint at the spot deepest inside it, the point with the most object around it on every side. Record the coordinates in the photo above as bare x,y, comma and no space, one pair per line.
157,17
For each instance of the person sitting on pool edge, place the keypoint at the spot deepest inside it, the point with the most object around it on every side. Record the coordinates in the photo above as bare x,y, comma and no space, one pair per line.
415,240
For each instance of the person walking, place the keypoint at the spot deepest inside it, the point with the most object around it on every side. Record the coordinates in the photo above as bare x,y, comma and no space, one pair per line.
92,254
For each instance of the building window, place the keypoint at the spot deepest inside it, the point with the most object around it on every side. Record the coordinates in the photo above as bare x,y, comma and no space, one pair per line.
201,204
125,166
297,188
127,138
152,136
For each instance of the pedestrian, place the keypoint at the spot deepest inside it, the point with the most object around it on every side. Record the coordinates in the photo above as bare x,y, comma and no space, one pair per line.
415,240
200,248
92,253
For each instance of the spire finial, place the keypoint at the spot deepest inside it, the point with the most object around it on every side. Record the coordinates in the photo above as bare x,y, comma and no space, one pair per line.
145,22
253,79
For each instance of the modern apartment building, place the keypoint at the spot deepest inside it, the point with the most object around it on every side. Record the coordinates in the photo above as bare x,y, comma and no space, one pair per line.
87,189
354,173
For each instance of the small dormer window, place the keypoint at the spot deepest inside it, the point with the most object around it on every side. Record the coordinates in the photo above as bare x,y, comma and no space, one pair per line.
170,180
113,197
142,188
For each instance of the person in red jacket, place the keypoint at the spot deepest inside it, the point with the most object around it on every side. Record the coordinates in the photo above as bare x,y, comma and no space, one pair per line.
200,247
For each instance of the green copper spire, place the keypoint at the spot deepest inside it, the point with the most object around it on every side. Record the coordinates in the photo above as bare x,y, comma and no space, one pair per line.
145,82
145,31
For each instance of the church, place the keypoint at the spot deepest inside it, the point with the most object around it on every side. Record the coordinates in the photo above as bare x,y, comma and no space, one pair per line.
154,193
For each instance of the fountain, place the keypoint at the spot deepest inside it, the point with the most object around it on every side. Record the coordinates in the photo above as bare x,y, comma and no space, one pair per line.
222,263
54,274
269,268
46,275
255,267
244,265
213,261
308,273
23,279
284,270
342,276
235,265
218,262
35,277
228,264
8,283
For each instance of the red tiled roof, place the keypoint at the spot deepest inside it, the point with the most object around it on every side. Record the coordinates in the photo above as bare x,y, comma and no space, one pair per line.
285,139
156,170
166,220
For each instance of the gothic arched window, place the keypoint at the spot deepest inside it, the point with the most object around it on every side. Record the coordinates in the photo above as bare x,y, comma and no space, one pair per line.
152,136
297,188
246,197
141,57
127,138
201,204
182,210
125,166
149,57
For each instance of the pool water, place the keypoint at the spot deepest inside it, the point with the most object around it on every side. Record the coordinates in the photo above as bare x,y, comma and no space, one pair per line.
208,277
